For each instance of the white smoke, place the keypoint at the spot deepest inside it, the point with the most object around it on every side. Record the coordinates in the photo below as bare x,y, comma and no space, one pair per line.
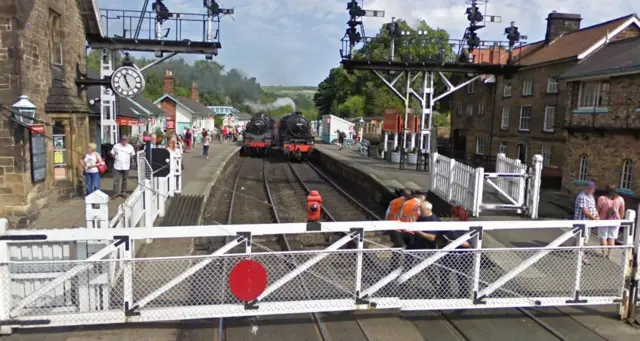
278,103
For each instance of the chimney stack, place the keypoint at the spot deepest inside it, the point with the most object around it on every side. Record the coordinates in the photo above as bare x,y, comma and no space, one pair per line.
168,83
559,24
194,92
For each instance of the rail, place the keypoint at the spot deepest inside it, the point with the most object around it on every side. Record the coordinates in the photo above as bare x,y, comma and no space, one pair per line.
286,246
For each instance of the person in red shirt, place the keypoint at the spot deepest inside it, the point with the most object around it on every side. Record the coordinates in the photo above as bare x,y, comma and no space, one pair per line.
188,138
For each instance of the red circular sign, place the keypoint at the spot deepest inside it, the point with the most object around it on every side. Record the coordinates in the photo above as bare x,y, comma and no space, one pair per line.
247,280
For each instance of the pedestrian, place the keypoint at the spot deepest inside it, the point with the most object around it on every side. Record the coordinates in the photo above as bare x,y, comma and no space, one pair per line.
122,153
206,139
393,213
585,209
455,267
90,164
180,143
610,207
188,139
409,213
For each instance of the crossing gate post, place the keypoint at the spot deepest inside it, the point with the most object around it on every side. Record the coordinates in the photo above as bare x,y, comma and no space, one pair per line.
97,210
534,186
433,170
627,305
478,190
450,179
5,280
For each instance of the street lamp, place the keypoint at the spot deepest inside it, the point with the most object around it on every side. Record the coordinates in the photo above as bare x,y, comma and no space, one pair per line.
24,110
361,130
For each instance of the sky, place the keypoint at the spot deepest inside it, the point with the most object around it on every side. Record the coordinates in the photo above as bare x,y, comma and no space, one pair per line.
296,42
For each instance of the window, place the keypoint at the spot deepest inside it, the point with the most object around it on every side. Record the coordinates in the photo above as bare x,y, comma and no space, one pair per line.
626,180
527,87
506,90
504,118
480,110
469,109
471,87
502,149
459,110
55,43
549,118
583,171
479,146
593,95
552,85
546,154
525,118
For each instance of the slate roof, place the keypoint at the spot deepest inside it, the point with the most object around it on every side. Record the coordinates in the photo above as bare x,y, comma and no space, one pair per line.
196,107
61,98
616,57
243,115
569,45
125,106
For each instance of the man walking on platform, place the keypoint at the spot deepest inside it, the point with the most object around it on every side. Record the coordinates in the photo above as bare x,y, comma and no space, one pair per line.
122,153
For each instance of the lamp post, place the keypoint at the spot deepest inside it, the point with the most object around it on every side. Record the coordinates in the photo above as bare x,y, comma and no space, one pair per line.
24,110
361,130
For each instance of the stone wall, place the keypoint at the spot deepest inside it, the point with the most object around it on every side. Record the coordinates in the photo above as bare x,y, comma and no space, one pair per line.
615,142
26,68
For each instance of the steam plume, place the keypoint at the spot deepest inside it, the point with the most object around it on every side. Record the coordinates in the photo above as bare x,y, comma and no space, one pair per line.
278,103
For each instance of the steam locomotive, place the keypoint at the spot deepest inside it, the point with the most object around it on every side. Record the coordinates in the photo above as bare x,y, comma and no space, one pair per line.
294,136
258,135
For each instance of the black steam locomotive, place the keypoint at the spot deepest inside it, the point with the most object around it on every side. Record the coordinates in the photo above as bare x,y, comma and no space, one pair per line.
294,136
258,135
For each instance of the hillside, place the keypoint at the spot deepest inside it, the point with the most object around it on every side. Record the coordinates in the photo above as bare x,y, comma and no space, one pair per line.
291,91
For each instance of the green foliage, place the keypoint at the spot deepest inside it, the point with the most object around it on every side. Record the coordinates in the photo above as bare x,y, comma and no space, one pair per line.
440,120
362,93
216,86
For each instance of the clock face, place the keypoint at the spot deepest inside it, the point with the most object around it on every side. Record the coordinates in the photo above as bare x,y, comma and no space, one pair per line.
127,81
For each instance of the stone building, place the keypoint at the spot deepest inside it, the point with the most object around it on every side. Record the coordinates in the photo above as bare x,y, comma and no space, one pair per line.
603,123
523,115
42,43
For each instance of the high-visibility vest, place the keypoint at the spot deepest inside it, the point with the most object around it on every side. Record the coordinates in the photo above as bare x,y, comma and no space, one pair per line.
395,207
410,210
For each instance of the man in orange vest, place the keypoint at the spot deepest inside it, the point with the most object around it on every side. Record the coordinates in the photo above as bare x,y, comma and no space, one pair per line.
410,212
314,206
393,213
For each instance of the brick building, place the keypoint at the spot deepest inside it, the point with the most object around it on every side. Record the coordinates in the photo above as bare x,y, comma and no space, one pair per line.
42,42
524,115
603,121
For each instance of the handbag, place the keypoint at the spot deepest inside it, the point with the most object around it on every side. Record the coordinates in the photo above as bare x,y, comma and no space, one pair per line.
102,168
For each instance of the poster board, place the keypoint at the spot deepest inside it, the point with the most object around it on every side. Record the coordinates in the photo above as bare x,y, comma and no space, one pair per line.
38,153
391,121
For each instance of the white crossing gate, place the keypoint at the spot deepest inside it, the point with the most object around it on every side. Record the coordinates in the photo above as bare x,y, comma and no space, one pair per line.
513,182
90,292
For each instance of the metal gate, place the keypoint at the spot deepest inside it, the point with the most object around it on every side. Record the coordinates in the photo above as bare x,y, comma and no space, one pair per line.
113,287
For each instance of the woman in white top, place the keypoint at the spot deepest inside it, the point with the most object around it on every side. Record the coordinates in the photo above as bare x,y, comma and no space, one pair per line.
90,164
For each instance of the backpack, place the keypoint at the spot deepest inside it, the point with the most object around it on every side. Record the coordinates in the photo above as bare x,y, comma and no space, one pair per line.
612,214
343,135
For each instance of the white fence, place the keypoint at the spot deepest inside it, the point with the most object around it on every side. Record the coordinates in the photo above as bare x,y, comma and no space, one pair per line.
461,184
90,290
462,274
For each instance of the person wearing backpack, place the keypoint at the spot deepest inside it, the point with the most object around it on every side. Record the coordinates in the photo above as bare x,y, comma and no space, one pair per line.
610,207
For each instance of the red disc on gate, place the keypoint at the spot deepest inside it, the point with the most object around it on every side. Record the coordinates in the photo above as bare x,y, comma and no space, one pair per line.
247,280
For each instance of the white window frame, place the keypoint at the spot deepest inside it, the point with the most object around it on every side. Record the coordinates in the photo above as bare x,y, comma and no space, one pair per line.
504,117
479,146
549,118
503,147
506,89
552,85
469,111
520,126
626,176
527,87
471,87
598,98
545,151
480,111
583,168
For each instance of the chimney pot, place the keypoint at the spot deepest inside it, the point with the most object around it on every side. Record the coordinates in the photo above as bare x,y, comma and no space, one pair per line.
168,83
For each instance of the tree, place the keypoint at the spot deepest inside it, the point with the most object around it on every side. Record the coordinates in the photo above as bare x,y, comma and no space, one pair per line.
364,88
